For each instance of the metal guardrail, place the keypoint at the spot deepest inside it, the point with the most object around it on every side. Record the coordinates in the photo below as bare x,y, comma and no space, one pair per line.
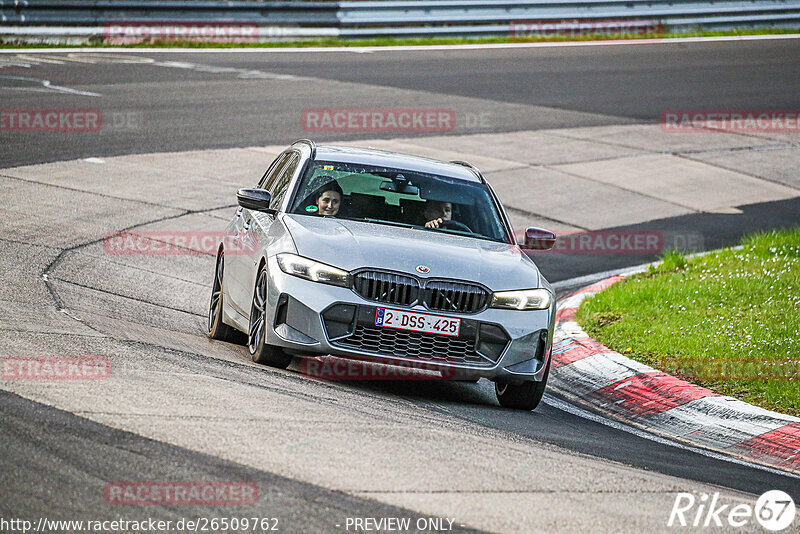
449,12
384,18
101,12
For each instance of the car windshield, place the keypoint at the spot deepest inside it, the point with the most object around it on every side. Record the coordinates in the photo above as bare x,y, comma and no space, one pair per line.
399,197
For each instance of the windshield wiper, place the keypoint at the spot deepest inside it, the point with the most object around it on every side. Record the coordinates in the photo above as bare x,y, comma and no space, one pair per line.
390,223
380,221
420,227
463,233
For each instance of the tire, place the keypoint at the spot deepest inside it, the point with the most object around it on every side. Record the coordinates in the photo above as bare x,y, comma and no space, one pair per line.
216,328
261,352
526,396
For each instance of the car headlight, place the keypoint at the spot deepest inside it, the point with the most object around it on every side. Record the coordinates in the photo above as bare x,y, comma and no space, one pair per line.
526,299
312,270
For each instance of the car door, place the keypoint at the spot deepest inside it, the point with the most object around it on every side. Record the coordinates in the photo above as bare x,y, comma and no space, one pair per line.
260,222
239,278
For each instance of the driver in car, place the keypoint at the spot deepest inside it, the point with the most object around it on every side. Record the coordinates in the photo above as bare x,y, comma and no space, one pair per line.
329,199
437,212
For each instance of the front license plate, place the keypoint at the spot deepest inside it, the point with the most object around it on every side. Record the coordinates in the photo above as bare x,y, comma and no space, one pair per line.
417,322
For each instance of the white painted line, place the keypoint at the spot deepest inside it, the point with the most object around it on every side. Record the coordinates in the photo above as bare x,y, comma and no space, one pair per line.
28,89
243,74
247,74
568,329
610,367
594,372
48,85
708,422
580,412
573,302
730,404
406,48
590,279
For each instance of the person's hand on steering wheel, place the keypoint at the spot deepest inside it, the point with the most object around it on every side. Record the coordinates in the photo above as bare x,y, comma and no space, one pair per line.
448,224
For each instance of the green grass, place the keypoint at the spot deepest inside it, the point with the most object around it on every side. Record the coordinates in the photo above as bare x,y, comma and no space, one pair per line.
328,42
729,321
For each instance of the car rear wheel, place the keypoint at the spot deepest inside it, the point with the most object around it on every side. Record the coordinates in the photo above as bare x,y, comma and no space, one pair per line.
261,352
216,328
526,396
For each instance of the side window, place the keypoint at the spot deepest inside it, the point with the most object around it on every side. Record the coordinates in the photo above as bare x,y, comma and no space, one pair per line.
272,172
281,184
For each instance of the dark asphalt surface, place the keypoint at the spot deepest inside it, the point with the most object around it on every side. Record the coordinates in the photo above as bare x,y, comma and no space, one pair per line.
58,472
191,101
61,474
716,230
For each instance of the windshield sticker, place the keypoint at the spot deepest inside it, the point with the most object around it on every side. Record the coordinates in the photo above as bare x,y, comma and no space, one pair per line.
327,167
312,208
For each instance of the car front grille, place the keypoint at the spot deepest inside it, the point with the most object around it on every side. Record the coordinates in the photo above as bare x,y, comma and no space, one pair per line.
415,345
455,296
386,287
402,290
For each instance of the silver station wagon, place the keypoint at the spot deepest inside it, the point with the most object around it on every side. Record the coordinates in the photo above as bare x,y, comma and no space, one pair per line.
372,255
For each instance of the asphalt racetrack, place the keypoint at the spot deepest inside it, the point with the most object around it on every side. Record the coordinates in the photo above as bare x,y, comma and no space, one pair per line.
182,131
186,105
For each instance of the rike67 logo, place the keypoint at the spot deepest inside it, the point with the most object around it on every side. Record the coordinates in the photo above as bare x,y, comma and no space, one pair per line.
774,511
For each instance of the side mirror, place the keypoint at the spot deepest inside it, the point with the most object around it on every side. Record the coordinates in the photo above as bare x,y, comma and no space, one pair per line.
539,239
254,199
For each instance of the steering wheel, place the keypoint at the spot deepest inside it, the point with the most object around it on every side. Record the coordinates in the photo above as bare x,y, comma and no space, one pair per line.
454,225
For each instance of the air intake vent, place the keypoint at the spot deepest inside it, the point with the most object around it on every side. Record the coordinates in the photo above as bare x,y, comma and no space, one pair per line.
386,287
455,296
419,346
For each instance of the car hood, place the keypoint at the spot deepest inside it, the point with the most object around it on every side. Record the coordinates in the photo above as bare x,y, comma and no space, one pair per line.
352,245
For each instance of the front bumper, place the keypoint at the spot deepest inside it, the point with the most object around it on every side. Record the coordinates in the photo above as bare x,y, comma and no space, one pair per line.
308,317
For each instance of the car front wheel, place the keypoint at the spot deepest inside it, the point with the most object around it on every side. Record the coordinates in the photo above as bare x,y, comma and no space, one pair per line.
261,352
216,328
526,396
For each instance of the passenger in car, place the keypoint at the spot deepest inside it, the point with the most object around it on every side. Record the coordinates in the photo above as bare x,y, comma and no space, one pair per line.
329,199
437,212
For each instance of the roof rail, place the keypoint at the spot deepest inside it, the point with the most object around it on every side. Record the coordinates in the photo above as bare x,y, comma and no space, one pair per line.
310,143
471,167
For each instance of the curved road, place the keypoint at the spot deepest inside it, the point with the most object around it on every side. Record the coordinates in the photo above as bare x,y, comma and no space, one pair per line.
178,407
